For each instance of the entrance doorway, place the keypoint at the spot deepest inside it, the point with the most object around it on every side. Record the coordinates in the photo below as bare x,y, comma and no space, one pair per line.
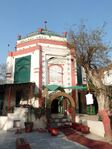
54,106
19,95
62,103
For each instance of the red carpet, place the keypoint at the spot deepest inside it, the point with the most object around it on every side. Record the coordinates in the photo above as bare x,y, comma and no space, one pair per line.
92,144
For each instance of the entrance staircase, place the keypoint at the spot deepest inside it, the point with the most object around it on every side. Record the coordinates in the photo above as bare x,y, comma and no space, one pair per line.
58,120
12,120
16,120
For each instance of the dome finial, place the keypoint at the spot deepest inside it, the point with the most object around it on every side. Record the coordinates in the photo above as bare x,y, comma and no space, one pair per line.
45,23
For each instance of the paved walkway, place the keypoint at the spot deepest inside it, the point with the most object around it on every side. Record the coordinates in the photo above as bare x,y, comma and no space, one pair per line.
86,140
38,141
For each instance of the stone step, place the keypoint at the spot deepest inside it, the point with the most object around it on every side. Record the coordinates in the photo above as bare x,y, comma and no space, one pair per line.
58,122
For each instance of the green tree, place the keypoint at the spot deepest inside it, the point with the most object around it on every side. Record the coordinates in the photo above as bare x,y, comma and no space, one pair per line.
93,55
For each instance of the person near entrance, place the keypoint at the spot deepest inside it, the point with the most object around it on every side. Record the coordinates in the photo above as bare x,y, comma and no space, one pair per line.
68,113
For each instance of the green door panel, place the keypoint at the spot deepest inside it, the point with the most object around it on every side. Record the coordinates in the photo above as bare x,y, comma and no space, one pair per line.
22,69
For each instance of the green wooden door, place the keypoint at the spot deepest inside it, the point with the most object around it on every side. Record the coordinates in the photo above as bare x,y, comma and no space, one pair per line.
22,69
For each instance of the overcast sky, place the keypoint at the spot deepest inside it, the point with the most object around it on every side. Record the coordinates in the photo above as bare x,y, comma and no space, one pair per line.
25,16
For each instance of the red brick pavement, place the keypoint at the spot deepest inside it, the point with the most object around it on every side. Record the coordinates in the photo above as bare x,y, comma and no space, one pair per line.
81,139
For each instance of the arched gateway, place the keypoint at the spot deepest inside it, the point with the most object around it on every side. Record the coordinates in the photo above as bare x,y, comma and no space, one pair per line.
62,96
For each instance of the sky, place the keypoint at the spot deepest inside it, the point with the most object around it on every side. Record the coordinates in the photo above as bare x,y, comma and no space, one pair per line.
20,17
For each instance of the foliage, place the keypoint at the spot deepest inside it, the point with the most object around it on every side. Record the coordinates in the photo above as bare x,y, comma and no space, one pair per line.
92,53
89,47
38,112
33,111
2,73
